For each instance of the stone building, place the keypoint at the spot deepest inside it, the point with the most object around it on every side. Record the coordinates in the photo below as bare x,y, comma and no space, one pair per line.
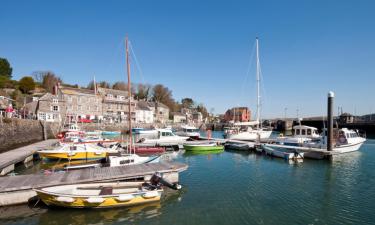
160,111
49,108
81,103
143,113
179,117
116,105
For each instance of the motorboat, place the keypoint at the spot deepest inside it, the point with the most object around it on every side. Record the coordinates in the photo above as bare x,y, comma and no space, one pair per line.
164,136
77,152
189,131
301,135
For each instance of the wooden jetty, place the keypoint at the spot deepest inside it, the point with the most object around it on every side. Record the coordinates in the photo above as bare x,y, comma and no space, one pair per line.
18,189
25,154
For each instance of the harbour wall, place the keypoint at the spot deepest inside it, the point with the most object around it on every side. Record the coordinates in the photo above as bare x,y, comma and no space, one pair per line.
19,132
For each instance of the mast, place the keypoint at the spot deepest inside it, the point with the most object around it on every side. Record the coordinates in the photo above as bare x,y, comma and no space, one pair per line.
258,82
129,95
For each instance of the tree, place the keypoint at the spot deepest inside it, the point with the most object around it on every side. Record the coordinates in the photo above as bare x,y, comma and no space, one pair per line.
143,91
119,85
5,82
187,103
163,95
5,69
49,81
26,84
104,84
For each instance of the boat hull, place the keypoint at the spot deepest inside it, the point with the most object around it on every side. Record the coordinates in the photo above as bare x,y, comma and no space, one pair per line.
81,201
73,155
249,135
203,148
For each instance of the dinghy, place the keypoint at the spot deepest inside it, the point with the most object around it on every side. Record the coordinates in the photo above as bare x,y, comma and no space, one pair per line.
212,146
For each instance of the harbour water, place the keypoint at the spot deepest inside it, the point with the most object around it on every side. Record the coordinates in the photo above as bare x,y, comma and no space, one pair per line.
242,188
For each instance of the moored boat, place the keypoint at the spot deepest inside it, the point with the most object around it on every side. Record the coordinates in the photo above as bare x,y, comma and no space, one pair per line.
100,195
203,147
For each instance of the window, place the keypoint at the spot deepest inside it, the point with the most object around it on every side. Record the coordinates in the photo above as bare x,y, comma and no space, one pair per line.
96,108
42,116
109,96
303,132
79,107
88,108
55,101
55,108
79,98
308,132
298,132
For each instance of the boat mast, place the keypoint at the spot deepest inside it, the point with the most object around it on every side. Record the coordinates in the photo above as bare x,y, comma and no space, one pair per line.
258,82
129,95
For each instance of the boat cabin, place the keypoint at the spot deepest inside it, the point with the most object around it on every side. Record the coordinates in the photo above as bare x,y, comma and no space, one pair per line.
305,131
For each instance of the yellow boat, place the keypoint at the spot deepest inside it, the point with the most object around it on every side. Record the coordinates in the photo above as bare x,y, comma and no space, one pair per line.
100,195
77,152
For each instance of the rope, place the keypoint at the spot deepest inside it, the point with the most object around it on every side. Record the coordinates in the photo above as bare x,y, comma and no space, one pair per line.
136,62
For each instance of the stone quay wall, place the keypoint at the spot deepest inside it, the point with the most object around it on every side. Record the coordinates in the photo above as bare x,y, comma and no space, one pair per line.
15,133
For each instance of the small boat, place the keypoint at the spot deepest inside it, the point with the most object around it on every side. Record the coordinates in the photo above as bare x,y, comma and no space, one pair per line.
145,150
111,132
238,146
164,136
131,159
144,131
213,146
100,195
77,152
285,154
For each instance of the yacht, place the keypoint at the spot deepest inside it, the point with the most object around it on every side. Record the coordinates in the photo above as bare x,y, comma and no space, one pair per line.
246,131
189,131
164,136
301,135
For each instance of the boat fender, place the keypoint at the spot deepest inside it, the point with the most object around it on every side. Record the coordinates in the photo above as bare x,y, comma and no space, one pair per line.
125,198
98,153
65,199
71,153
94,200
150,194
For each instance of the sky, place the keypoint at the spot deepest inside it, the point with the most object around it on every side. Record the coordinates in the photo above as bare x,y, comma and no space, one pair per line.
205,49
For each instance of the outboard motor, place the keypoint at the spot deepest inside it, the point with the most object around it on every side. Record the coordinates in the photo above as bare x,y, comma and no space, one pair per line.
157,179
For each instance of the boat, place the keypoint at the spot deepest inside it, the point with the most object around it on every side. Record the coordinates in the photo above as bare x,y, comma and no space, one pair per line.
143,131
131,159
211,146
284,154
77,152
146,150
189,131
111,132
164,136
244,130
301,135
100,195
232,145
345,141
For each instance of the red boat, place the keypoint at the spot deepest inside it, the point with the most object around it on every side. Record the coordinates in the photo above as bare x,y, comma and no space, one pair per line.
146,150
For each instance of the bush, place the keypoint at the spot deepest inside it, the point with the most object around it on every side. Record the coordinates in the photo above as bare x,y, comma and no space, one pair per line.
26,84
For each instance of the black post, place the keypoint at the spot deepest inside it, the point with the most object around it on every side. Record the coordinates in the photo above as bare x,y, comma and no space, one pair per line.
331,95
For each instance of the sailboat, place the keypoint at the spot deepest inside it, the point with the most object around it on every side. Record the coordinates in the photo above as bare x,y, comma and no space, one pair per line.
244,130
130,158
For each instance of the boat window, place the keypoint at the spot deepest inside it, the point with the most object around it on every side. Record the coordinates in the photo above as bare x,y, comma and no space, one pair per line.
303,132
127,161
347,136
298,132
308,132
163,134
73,148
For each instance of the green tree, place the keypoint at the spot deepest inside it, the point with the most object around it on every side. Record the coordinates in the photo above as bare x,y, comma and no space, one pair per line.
143,92
187,103
26,84
5,82
163,95
5,69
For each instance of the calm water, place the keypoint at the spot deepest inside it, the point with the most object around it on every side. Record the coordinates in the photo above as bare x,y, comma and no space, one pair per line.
241,188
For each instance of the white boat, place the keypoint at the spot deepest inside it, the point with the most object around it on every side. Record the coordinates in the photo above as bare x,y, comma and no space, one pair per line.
131,159
244,130
164,136
235,145
189,131
345,141
284,154
301,135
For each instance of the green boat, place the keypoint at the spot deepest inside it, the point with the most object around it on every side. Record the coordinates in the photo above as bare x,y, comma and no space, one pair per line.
203,147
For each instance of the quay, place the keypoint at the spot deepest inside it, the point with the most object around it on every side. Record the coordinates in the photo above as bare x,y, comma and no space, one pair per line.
25,154
19,189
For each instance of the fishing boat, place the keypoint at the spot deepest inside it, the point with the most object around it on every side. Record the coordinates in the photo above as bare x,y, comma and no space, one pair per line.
211,146
189,131
77,152
301,135
100,195
246,131
146,150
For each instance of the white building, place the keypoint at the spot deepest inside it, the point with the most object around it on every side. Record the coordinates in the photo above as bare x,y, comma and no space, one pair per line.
143,113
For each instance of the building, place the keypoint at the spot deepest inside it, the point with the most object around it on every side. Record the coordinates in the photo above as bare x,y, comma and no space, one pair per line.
197,117
179,117
115,105
237,114
160,111
50,108
143,113
80,103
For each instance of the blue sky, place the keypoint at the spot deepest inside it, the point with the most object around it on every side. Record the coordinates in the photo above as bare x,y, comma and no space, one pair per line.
202,49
